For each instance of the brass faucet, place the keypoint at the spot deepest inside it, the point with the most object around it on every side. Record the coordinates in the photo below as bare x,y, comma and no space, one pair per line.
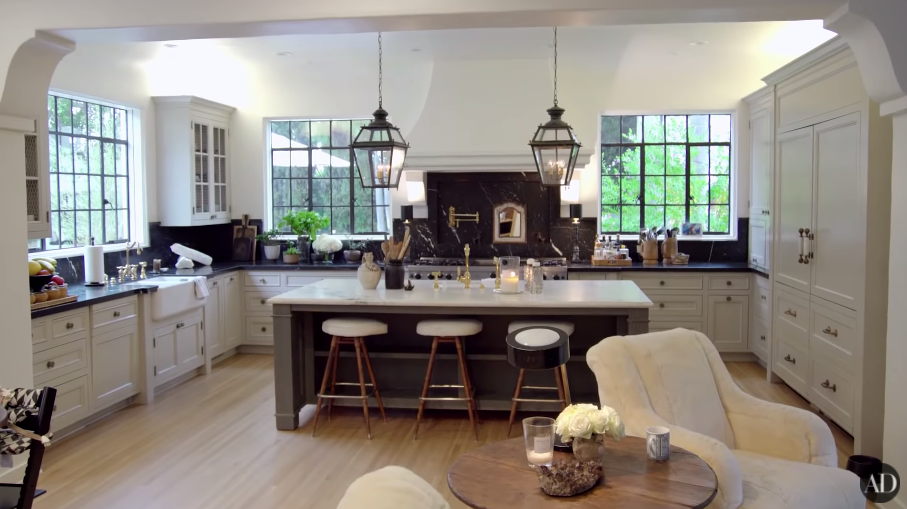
497,273
466,278
131,269
437,276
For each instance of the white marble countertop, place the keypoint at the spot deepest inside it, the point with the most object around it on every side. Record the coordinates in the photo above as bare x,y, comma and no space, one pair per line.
559,294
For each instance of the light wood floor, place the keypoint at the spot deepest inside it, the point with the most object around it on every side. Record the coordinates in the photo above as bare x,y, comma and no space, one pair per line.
211,443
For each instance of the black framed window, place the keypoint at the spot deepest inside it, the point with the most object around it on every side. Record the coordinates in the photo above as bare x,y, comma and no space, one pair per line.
665,170
89,145
312,169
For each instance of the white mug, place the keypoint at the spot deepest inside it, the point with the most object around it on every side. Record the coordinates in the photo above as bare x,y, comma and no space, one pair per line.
658,443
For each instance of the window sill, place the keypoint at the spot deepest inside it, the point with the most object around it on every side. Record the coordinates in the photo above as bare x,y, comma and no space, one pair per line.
341,237
77,251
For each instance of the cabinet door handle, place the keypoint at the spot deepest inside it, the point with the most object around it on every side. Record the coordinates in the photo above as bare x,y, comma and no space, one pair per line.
790,312
231,279
213,216
262,281
729,283
264,329
789,359
51,364
69,325
762,338
729,298
214,283
262,302
828,385
763,297
116,314
662,283
830,331
661,304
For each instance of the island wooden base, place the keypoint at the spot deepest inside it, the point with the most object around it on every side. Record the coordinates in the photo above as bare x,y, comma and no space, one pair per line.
400,357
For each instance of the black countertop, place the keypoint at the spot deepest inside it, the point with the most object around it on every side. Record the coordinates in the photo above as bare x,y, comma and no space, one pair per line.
96,295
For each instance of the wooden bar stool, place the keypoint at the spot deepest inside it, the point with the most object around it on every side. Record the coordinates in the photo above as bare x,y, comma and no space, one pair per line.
449,331
350,331
560,374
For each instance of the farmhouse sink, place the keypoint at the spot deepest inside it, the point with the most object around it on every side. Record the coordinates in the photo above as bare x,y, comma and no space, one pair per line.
174,296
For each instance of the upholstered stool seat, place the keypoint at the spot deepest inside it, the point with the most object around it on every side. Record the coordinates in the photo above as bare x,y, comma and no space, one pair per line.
353,327
564,326
448,331
349,331
560,372
448,328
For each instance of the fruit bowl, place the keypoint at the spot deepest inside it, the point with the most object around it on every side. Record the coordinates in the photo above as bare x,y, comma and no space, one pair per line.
38,282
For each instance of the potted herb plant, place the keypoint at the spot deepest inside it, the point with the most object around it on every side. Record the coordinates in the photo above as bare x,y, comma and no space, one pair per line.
271,245
305,225
291,255
353,252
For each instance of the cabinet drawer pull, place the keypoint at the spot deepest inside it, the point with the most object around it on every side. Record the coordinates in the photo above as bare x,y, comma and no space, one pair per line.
763,297
762,338
791,312
792,360
662,283
231,279
729,283
661,304
214,283
729,298
830,331
69,325
179,325
51,364
826,384
262,302
116,314
264,329
262,281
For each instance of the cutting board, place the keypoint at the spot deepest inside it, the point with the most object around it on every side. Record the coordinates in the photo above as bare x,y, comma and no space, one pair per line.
244,243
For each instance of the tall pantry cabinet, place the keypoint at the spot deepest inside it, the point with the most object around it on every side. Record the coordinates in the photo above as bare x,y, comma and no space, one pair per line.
830,228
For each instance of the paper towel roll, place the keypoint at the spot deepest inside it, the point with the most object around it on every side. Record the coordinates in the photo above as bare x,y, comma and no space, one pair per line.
94,264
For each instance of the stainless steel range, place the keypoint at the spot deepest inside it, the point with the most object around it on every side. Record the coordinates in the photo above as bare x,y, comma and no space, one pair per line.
554,269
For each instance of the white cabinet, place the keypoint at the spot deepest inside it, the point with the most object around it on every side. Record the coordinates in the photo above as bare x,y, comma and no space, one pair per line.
794,208
729,322
114,366
831,241
761,163
223,315
178,348
37,185
193,152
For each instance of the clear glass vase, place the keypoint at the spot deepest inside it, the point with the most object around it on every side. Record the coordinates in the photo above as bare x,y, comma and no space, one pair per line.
589,449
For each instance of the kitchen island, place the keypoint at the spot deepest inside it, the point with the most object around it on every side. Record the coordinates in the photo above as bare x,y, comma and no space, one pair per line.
597,308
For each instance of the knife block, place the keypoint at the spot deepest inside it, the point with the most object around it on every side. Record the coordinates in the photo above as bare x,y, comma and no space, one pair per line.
649,252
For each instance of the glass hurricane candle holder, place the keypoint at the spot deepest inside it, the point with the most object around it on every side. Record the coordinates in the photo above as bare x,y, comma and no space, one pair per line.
539,435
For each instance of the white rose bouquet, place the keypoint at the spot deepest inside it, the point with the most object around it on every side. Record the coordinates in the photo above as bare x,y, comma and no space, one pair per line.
326,244
584,421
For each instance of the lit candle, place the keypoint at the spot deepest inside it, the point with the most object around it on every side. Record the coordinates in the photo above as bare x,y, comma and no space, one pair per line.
381,173
510,283
540,458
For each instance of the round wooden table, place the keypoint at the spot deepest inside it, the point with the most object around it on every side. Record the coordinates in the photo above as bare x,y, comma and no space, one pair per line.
497,476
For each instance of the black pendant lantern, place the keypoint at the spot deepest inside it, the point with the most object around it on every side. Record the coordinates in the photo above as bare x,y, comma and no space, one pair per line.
379,149
554,146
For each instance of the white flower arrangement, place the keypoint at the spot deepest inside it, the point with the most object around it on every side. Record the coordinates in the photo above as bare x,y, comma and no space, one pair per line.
327,244
584,420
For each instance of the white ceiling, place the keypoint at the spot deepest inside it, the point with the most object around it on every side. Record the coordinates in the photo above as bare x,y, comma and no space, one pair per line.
601,45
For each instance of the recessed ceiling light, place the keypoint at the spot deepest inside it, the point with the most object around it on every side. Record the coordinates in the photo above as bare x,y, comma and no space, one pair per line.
285,54
170,45
698,43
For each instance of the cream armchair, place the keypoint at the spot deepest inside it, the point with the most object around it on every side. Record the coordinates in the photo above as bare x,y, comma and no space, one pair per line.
765,455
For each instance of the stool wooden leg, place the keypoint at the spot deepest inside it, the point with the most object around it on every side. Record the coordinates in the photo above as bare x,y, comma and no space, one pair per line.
516,394
475,408
371,374
566,385
335,355
431,365
357,342
324,381
558,378
466,385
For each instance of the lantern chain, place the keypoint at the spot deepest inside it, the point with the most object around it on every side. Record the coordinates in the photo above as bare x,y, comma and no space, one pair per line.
380,72
555,66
